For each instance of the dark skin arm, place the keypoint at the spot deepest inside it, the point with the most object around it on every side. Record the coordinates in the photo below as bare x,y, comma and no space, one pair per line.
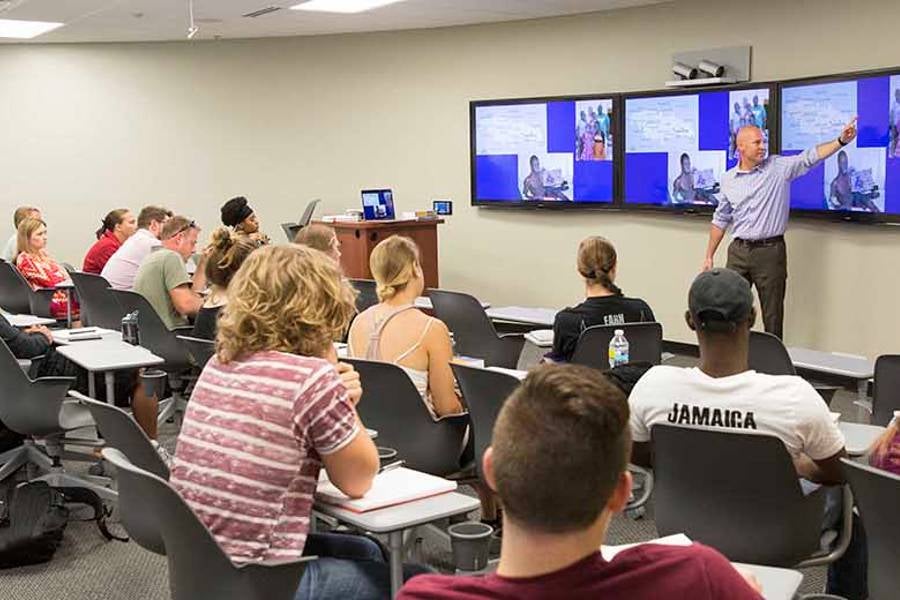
642,455
827,471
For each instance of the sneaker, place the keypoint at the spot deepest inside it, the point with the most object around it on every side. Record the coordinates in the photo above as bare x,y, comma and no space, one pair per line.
163,453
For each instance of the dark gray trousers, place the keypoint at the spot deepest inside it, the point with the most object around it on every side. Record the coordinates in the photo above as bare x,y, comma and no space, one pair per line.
763,264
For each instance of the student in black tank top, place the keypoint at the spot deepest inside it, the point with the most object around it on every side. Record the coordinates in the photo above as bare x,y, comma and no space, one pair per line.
605,304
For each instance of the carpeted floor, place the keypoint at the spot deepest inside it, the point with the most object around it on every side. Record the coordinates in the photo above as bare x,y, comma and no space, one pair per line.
87,567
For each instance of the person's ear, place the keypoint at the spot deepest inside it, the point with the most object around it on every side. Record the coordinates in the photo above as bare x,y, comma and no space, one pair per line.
621,493
689,320
487,466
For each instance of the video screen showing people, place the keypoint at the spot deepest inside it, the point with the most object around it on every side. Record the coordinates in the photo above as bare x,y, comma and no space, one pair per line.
677,147
862,177
555,151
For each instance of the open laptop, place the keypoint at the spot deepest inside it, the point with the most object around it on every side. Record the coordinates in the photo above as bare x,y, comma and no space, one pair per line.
378,205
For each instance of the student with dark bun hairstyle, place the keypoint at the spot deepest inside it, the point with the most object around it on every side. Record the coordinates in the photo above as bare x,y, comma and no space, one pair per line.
605,304
118,225
237,214
225,254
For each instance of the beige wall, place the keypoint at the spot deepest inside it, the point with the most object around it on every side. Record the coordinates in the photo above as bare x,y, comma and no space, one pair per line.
87,128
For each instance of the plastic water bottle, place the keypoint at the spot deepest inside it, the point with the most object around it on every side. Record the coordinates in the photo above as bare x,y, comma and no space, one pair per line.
618,349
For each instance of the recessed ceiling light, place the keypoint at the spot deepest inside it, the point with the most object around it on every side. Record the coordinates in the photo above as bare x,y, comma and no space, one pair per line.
342,6
25,30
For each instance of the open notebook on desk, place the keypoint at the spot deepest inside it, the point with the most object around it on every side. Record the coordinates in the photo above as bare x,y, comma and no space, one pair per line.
390,488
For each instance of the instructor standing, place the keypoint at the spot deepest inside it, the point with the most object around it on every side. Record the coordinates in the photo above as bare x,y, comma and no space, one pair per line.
756,200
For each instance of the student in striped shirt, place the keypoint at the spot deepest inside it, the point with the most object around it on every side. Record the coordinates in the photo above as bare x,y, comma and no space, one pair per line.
270,409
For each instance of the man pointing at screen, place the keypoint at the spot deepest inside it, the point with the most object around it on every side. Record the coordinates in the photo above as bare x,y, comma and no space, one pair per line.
755,200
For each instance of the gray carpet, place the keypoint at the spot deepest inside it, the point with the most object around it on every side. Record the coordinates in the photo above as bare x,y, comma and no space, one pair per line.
87,567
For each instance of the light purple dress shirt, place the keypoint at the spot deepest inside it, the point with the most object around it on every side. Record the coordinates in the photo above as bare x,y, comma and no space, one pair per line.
123,265
757,202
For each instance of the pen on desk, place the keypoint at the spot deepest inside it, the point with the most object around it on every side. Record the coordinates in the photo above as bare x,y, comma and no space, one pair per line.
391,466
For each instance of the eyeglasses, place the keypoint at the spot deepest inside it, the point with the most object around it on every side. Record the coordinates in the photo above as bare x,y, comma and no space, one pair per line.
191,225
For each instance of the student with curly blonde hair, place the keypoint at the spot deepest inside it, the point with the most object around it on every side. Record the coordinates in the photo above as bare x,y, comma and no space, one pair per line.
395,331
270,409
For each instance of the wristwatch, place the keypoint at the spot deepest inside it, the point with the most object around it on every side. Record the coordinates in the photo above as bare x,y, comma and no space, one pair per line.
842,142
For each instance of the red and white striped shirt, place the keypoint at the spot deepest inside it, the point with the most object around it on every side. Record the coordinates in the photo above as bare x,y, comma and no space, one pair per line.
248,455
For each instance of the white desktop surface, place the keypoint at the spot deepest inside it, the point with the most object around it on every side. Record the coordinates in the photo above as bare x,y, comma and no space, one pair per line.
60,336
425,303
406,515
833,363
858,437
23,321
108,355
777,584
520,314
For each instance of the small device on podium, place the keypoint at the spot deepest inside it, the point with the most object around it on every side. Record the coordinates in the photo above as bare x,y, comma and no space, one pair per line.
442,207
378,205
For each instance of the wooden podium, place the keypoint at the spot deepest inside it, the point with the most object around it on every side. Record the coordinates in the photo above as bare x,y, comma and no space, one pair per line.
358,238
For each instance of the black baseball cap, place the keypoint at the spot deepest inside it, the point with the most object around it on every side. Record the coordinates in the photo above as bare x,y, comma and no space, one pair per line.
719,299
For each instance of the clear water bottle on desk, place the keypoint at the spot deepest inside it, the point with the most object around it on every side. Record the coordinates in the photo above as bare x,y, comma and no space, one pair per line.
618,349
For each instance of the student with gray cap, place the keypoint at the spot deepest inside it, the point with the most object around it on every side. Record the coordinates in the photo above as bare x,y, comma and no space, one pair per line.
237,214
723,393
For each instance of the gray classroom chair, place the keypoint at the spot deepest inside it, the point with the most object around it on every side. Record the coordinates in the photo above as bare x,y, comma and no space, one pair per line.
644,344
367,296
16,295
200,350
768,355
156,517
473,331
740,494
39,410
392,406
877,496
886,392
99,307
121,431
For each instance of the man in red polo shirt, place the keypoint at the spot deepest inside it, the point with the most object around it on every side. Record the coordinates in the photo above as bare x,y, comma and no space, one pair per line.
558,462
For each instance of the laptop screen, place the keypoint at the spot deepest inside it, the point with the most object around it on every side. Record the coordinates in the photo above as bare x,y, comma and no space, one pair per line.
378,205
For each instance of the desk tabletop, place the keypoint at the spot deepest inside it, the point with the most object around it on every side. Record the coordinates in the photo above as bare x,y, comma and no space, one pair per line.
521,314
833,363
62,336
858,437
108,355
425,303
777,583
23,321
404,516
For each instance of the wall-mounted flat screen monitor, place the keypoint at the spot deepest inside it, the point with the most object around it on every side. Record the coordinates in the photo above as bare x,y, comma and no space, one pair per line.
679,144
543,152
861,181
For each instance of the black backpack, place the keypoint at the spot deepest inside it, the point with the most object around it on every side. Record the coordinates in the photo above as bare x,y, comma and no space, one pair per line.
33,524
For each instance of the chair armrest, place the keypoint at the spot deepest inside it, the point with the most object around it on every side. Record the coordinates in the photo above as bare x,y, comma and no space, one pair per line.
648,487
276,563
182,329
39,301
512,335
843,541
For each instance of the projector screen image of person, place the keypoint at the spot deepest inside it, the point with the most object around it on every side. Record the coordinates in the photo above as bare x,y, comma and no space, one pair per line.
864,176
556,151
678,146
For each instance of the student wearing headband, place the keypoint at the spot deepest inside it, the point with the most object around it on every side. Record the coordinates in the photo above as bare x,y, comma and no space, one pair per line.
237,214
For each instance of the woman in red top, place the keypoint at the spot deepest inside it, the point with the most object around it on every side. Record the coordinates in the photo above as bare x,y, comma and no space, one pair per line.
39,269
117,227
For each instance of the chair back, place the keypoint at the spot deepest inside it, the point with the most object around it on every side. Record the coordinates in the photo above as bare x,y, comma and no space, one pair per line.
473,331
877,495
644,344
99,307
154,335
484,392
768,355
367,296
122,432
290,230
736,492
30,408
886,392
152,511
200,350
391,405
14,291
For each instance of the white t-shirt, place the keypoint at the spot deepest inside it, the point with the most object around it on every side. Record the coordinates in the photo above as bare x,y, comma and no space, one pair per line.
9,250
123,265
784,406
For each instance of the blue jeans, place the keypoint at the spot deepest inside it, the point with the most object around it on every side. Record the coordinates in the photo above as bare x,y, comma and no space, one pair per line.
349,566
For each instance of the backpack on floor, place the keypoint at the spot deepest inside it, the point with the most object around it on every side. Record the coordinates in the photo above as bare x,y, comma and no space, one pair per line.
32,525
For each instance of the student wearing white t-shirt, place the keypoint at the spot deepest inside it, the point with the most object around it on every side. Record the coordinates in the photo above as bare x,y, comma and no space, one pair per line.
723,393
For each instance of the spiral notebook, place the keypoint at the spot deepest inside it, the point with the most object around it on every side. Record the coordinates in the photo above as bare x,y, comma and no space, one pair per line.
390,488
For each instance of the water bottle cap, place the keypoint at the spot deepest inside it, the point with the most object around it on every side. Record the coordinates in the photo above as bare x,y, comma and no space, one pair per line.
619,332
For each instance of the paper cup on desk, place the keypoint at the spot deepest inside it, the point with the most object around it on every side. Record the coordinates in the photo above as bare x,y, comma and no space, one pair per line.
154,382
471,544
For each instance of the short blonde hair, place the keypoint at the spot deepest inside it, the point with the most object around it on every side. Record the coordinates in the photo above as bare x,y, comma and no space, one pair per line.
316,236
22,213
285,298
23,235
393,262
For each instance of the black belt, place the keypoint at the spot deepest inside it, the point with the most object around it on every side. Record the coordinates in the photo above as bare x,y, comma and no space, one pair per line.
762,242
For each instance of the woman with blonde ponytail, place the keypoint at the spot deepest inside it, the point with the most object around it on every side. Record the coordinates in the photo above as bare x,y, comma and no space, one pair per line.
604,303
395,331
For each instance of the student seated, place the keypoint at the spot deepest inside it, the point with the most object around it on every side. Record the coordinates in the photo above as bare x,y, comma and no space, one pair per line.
604,303
557,512
123,265
270,409
723,393
395,331
163,278
40,270
237,214
11,248
225,254
885,452
118,225
322,238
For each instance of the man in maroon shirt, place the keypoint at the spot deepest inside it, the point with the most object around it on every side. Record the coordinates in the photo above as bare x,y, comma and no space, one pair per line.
558,462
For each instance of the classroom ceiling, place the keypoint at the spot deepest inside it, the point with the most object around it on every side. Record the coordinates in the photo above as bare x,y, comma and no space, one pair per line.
160,20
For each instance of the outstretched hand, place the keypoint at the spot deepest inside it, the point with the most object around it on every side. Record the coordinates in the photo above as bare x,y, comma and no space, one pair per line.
849,132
